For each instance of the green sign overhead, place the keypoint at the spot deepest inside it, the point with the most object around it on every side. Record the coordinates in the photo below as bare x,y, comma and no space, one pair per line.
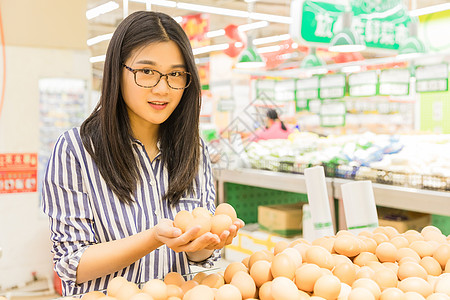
383,24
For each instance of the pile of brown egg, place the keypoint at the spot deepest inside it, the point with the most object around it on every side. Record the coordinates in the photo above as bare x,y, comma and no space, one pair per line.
382,264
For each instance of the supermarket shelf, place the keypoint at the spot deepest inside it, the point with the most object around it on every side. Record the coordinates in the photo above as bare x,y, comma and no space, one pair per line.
426,201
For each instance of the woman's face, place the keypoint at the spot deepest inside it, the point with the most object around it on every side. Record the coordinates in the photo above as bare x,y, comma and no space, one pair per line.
152,106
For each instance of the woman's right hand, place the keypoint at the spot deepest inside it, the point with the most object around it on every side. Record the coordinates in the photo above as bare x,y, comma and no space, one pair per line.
166,233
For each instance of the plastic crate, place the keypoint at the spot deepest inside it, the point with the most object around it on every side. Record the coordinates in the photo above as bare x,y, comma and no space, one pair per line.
246,199
441,222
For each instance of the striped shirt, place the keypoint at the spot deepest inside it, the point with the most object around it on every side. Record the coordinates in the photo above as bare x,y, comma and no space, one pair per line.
83,211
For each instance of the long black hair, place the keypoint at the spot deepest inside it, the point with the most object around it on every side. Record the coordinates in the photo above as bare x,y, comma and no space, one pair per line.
106,133
273,115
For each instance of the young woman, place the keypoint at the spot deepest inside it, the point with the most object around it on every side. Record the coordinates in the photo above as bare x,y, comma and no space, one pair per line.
113,186
275,128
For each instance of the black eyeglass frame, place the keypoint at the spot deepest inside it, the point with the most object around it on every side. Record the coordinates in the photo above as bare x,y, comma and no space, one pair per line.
161,75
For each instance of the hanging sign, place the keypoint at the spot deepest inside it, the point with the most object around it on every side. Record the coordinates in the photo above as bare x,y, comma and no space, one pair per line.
383,24
394,82
432,78
18,172
332,86
363,84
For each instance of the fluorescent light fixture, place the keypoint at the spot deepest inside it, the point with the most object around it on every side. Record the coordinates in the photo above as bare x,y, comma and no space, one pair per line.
220,11
429,9
269,49
351,69
252,26
211,48
99,58
101,9
271,39
215,33
178,19
238,44
99,38
163,3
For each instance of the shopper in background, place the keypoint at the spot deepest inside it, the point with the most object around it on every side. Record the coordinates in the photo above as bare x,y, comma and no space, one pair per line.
275,128
113,186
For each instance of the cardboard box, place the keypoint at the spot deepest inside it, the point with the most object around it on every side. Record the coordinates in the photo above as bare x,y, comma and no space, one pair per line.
402,220
249,240
282,219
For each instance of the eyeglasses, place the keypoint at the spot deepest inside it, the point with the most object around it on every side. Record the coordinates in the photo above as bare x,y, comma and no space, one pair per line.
148,78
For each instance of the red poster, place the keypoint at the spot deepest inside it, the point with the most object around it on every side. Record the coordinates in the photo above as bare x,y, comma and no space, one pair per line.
18,172
196,26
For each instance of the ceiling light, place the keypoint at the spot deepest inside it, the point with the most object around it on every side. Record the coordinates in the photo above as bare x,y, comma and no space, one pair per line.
351,69
99,38
99,58
269,49
429,10
178,19
252,26
271,39
101,9
347,39
250,59
215,33
158,2
213,10
271,18
210,48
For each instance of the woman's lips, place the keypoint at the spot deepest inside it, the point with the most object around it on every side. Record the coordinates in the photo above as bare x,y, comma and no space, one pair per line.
158,105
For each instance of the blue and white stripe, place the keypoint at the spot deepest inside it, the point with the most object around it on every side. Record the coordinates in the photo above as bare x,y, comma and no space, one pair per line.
83,211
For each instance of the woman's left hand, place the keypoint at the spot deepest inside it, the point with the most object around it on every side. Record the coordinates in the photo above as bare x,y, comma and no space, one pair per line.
227,236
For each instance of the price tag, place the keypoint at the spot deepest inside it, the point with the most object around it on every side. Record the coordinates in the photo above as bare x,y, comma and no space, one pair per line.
432,78
363,84
307,88
332,86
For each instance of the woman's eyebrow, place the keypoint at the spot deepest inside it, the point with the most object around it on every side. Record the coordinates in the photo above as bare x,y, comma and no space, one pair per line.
152,63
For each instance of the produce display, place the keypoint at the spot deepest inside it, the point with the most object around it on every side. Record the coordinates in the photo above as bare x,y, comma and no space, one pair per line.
382,264
419,161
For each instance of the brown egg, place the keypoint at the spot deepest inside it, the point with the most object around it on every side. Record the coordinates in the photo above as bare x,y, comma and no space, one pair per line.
365,272
188,285
361,293
367,244
347,245
204,222
415,284
226,209
294,255
369,284
364,258
438,296
338,259
380,238
213,280
399,242
431,266
174,278
245,261
345,272
114,285
442,254
375,265
228,292
93,295
423,248
155,288
327,286
392,294
306,276
183,219
393,266
220,223
407,252
260,255
201,212
244,282
173,298
301,248
432,233
199,292
411,269
442,284
391,232
385,278
447,267
326,242
283,265
413,296
284,289
265,291
174,291
412,235
127,290
199,277
232,268
386,252
319,256
280,246
365,233
261,273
